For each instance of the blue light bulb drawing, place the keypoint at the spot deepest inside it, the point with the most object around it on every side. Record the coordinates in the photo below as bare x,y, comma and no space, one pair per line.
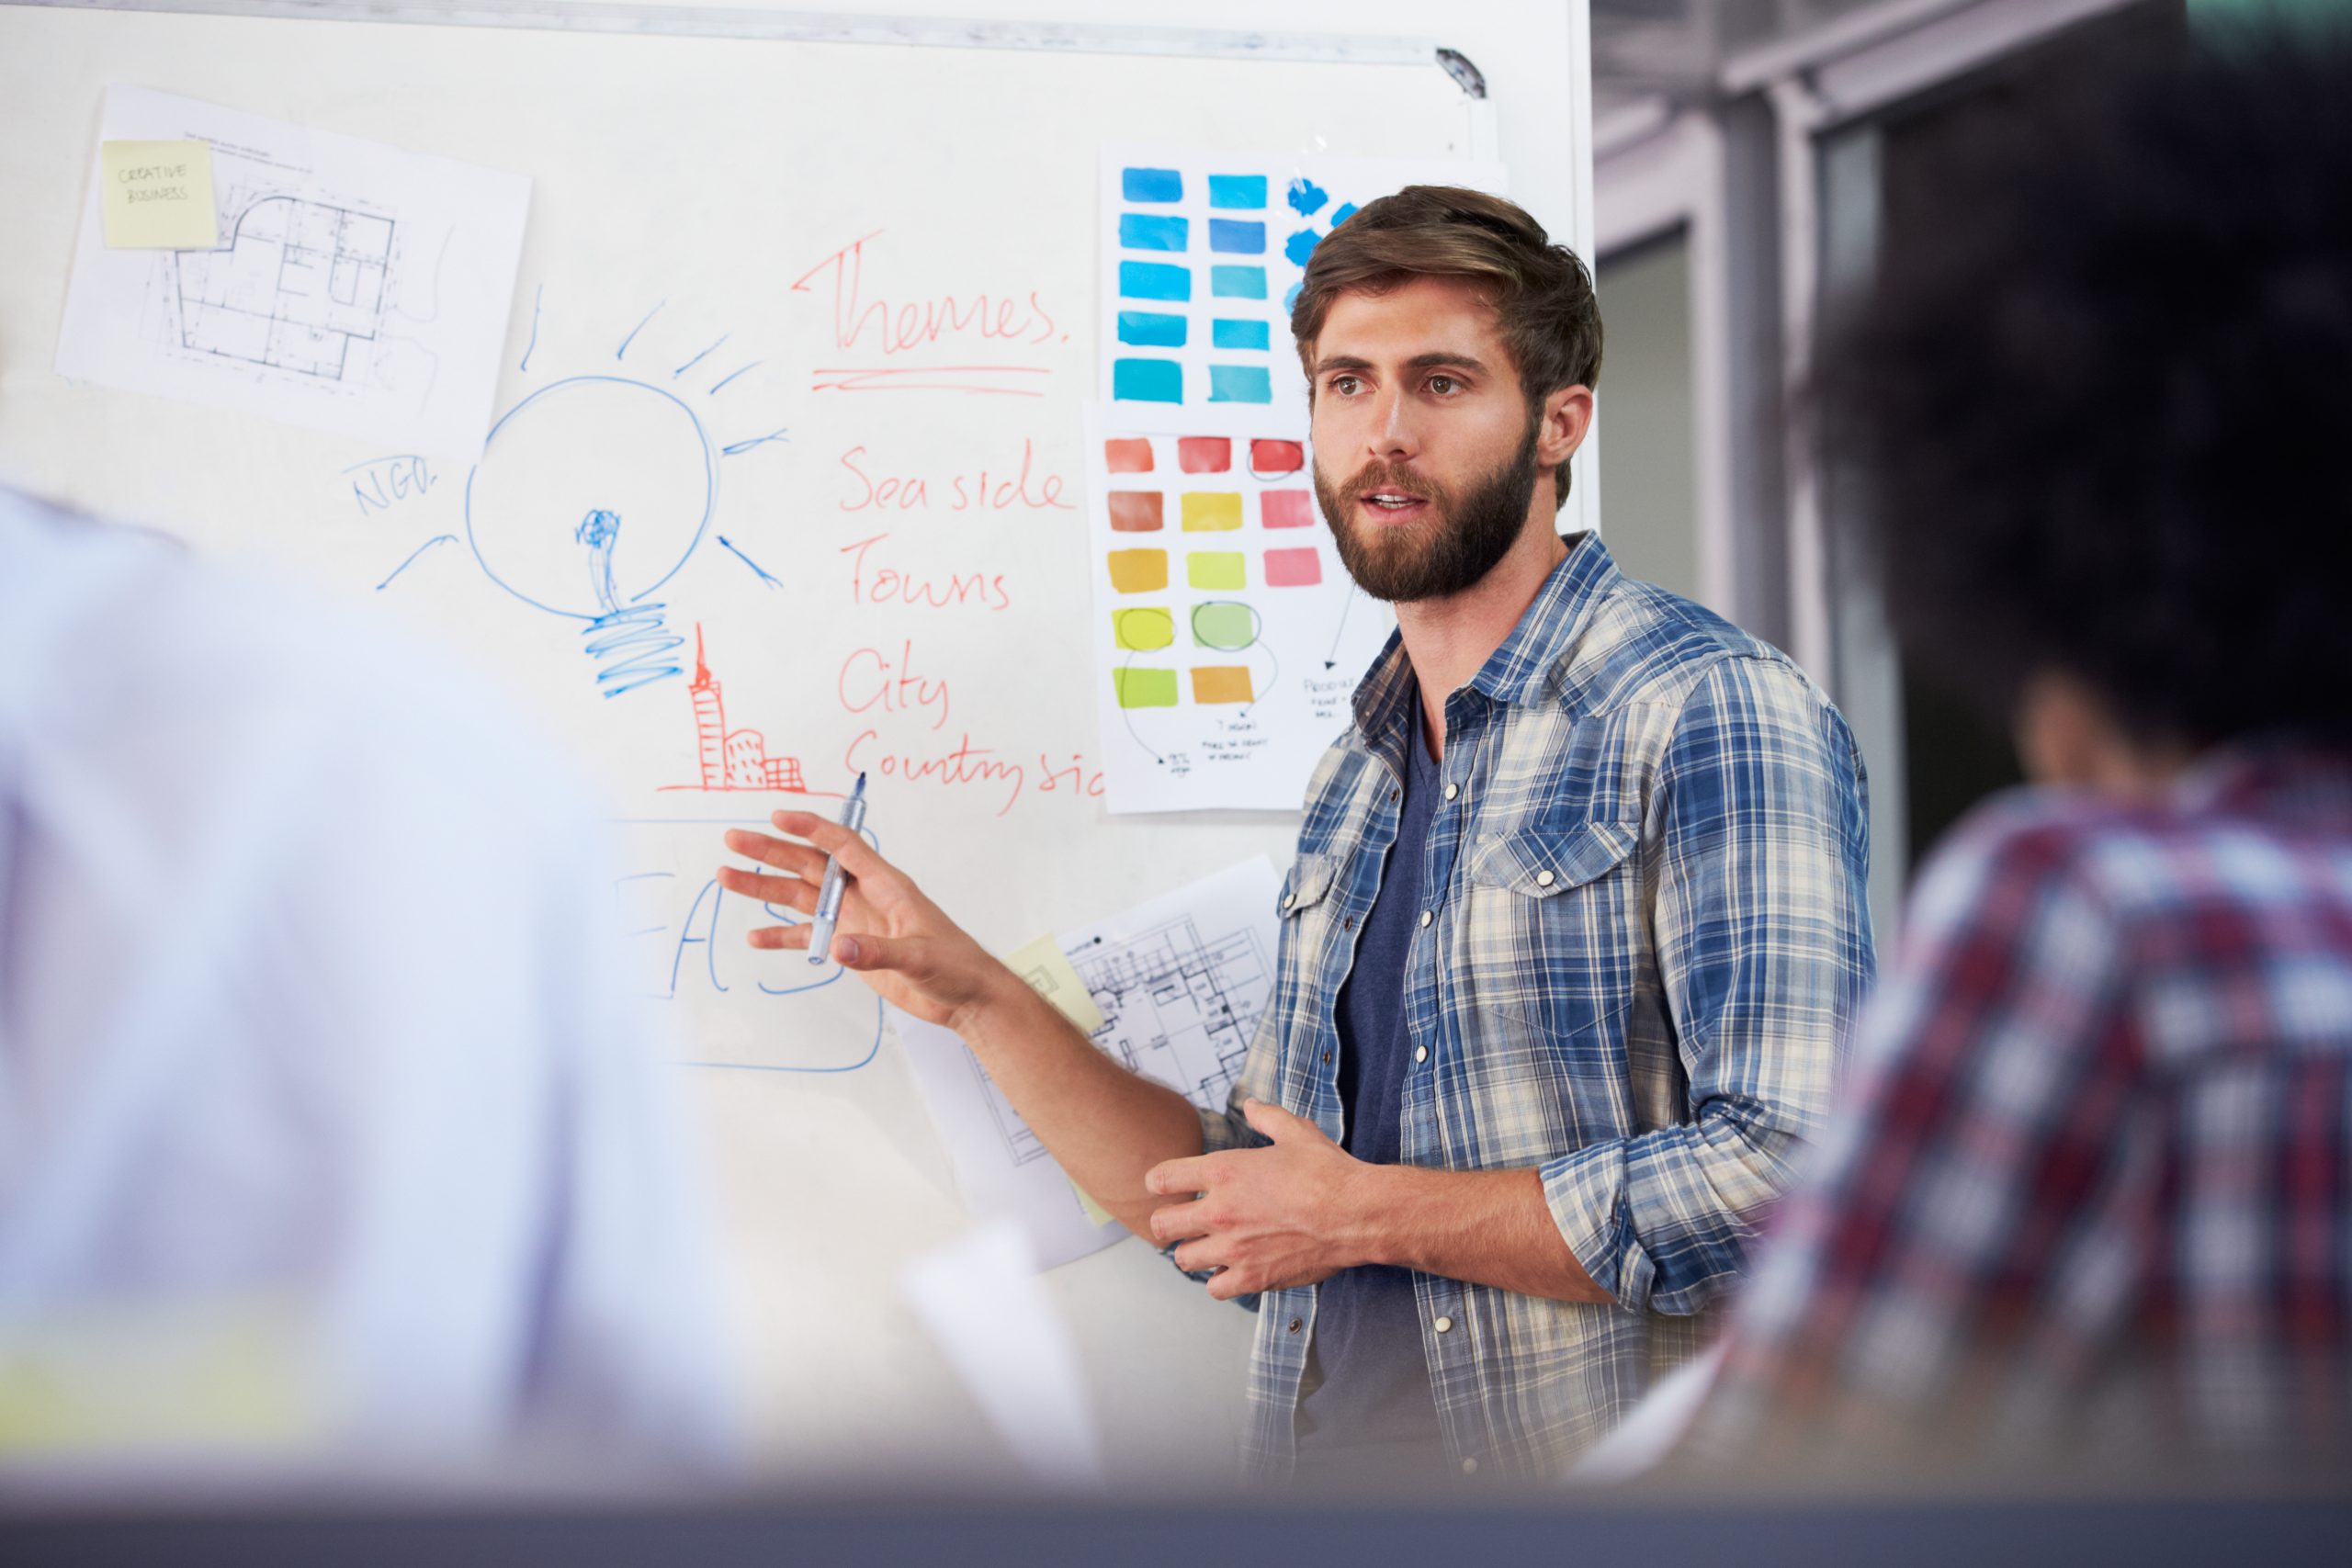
591,493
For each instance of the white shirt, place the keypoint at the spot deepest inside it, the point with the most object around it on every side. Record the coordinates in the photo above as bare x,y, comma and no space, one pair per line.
308,1019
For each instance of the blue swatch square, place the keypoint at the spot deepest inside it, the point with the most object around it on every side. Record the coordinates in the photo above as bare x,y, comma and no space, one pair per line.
1154,280
1238,282
1237,334
1150,328
1148,381
1237,193
1240,384
1235,237
1151,185
1152,231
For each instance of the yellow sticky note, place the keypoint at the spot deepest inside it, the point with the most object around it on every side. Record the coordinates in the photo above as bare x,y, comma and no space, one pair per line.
1093,1211
158,196
1047,969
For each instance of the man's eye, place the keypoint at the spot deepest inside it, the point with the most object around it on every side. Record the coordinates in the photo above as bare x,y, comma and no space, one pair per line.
1445,386
1345,386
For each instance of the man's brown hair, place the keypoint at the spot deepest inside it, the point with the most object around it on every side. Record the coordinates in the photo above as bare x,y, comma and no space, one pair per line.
1541,293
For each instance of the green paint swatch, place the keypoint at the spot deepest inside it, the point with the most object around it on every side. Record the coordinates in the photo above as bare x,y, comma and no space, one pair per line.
1145,688
1225,625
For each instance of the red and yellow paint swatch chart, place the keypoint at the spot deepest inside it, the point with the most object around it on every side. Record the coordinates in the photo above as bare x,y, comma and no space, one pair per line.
1220,616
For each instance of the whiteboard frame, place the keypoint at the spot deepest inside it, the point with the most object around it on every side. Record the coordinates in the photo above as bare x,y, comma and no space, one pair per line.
811,27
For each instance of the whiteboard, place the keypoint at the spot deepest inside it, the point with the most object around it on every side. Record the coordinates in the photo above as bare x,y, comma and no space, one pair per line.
901,587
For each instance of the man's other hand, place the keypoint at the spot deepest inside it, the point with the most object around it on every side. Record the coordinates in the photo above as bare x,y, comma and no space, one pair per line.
1291,1213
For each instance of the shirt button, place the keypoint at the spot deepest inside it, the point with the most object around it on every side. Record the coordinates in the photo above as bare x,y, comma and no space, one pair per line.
1426,917
1296,1324
1394,793
1327,1058
1349,922
1452,789
1289,899
1444,1326
1421,1052
1469,1466
1543,879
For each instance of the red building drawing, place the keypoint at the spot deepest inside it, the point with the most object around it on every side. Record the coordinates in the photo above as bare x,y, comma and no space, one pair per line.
736,760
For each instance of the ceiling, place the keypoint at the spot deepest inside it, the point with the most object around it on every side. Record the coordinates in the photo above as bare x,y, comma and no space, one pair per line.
1643,50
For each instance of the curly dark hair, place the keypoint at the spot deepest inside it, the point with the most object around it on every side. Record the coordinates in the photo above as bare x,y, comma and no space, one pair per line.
2100,422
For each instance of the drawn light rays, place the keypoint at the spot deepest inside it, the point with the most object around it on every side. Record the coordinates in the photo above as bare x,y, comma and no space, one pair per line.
595,490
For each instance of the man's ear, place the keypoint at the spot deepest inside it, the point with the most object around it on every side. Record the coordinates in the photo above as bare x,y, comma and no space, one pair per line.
1566,420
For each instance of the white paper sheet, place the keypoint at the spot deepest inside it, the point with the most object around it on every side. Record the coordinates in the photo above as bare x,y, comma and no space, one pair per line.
1652,1428
1228,639
356,288
1201,252
1181,981
980,1299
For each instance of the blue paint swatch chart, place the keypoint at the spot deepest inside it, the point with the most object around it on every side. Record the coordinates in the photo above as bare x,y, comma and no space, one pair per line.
1202,257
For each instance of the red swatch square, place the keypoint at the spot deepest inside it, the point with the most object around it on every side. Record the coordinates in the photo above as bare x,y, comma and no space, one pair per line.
1205,454
1127,456
1286,509
1135,512
1276,457
1293,568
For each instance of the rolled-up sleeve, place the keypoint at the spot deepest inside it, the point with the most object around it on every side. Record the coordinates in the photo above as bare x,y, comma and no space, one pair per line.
1755,847
1225,1128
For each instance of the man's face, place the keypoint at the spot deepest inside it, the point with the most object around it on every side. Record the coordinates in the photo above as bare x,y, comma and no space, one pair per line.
1425,454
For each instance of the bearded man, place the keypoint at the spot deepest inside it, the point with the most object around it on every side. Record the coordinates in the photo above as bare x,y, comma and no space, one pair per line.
1576,918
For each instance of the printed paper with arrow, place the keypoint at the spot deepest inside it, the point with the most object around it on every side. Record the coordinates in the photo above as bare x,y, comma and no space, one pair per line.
1228,638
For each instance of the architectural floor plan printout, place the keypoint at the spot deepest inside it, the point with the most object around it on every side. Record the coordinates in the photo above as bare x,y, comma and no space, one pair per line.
354,288
1181,982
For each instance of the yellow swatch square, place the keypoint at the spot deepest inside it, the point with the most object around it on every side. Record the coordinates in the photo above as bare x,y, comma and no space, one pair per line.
1216,570
1141,631
1212,510
158,196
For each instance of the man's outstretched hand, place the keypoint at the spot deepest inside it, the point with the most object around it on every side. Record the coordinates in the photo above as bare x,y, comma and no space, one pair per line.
898,942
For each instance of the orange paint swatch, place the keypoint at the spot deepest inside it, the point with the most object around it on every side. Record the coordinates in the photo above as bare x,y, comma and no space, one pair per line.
1221,683
1127,456
1139,572
1135,512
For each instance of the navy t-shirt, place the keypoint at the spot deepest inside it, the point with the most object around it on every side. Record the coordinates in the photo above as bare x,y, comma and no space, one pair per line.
1374,1388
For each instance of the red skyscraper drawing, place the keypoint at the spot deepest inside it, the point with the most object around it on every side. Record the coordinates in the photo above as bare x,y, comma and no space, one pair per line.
736,760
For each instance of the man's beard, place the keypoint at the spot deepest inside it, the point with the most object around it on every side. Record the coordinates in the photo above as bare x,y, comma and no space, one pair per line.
1446,552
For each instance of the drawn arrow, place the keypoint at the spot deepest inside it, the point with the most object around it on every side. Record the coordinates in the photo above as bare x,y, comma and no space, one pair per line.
1257,639
1332,658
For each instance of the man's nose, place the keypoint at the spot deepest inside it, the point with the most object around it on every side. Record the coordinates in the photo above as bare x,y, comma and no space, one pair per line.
1393,435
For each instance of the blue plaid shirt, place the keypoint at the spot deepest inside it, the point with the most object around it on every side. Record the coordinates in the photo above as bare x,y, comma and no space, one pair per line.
1646,928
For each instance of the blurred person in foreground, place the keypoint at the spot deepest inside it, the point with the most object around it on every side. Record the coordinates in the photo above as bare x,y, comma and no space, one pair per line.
2091,1203
328,1142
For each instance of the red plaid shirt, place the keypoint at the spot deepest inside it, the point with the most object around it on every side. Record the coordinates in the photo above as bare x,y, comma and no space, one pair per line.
2093,1192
